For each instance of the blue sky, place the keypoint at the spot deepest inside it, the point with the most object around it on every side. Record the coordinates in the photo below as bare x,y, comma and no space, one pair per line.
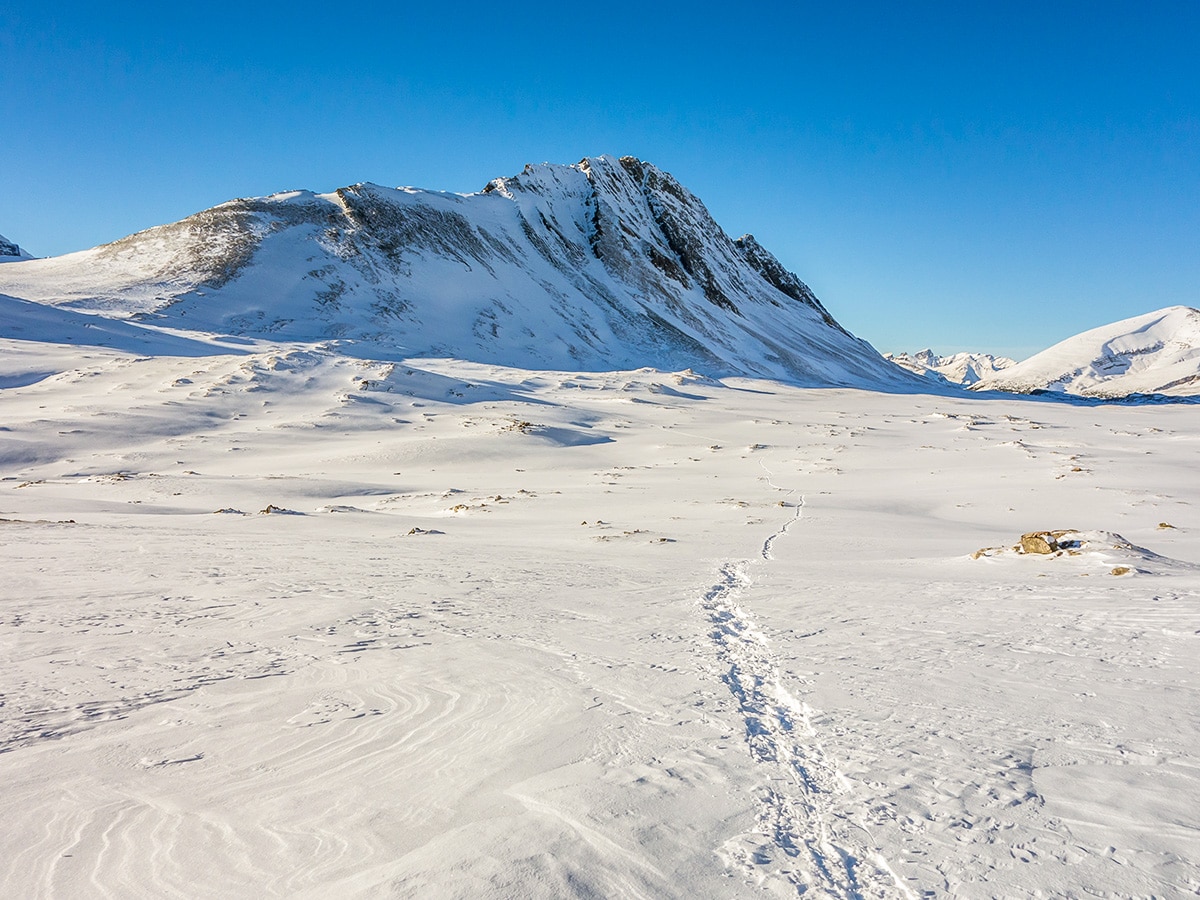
962,176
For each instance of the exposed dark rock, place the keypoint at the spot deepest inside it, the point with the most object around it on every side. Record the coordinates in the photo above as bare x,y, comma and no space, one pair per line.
773,272
10,249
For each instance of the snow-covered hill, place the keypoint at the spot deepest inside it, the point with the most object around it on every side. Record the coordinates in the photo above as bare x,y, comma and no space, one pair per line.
605,264
10,252
958,368
1155,353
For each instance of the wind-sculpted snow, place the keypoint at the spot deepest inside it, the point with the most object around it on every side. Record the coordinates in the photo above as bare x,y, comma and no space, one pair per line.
276,621
603,265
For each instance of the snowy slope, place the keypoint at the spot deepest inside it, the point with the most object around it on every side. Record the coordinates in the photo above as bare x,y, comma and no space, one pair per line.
10,252
959,368
1155,353
601,265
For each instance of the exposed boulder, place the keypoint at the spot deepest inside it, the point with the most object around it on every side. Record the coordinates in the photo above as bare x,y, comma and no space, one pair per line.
1047,541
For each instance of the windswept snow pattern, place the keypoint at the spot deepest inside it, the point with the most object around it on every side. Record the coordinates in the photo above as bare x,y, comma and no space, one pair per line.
553,635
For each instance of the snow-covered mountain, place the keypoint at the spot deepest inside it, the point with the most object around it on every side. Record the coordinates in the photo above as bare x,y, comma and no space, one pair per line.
1155,353
609,263
10,252
958,368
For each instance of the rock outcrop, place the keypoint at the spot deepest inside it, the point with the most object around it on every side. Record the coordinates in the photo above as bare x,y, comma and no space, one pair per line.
9,251
1047,541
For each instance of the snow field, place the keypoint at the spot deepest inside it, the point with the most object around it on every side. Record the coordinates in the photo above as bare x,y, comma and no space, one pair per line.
619,634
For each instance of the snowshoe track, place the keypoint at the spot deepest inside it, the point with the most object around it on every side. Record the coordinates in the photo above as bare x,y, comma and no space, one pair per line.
804,839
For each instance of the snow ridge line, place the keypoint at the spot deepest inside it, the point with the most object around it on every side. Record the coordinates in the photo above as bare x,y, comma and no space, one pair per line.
801,837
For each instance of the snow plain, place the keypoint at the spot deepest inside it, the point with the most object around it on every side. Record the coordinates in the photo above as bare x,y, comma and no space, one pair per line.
640,634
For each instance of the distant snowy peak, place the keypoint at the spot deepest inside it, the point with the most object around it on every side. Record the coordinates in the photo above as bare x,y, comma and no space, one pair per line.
608,263
10,252
1155,353
959,368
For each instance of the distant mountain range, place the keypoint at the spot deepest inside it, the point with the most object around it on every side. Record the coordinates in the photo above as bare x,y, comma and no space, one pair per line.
606,264
960,368
1155,353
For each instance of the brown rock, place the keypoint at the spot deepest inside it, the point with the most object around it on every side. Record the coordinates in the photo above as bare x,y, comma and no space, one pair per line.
1043,542
1038,542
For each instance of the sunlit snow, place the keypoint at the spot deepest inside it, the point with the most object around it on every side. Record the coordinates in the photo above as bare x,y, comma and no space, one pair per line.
309,616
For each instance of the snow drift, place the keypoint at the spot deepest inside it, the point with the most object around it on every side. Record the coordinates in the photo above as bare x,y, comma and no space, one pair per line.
606,264
1155,353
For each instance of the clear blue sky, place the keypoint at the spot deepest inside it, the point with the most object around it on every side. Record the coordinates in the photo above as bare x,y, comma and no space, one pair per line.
967,176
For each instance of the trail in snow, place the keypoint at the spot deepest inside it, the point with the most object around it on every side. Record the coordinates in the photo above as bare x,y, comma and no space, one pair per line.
787,494
803,838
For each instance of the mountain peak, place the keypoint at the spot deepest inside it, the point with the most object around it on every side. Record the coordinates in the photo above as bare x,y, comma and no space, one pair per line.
609,263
